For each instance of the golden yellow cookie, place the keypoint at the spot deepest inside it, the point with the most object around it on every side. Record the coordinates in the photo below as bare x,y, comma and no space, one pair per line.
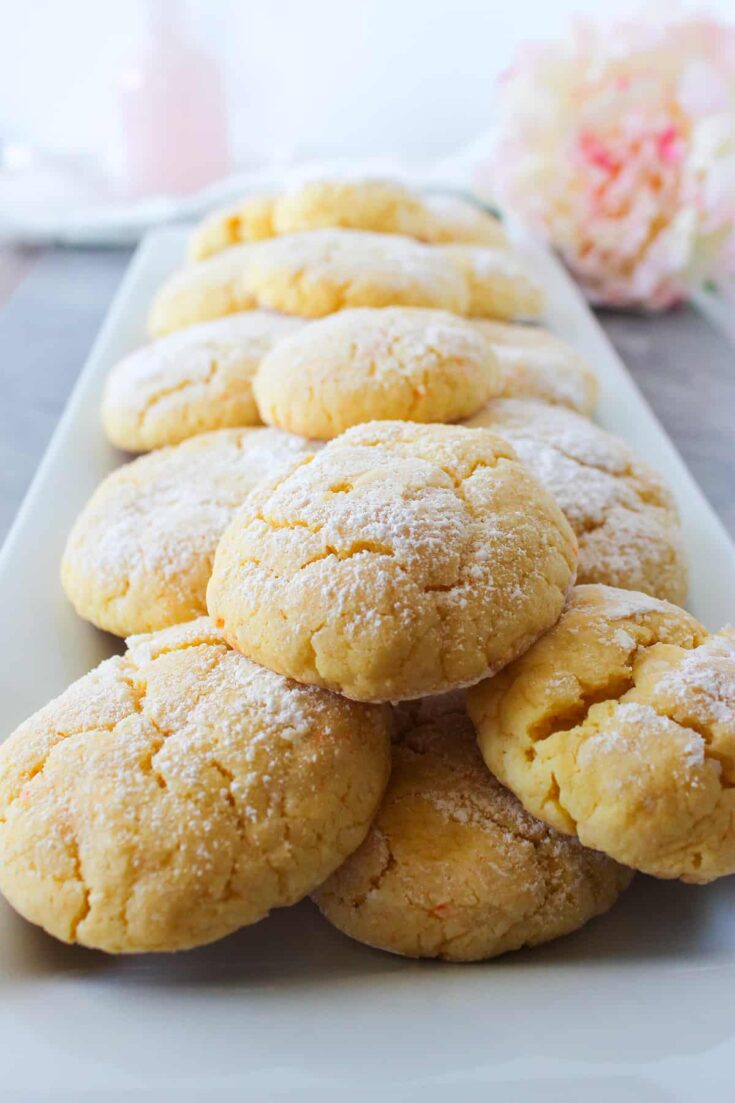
311,274
140,553
382,206
179,792
191,381
498,283
534,363
453,867
203,292
624,516
364,364
619,726
318,272
402,560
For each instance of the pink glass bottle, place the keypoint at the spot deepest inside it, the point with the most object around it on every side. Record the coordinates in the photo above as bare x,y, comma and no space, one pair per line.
173,111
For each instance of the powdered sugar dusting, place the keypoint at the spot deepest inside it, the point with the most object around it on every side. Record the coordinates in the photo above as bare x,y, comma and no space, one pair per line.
393,533
620,604
185,358
702,683
621,511
630,735
157,520
362,262
184,768
420,364
546,374
441,751
488,264
624,639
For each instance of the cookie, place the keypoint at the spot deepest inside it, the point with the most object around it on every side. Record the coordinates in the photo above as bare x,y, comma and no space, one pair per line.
619,727
311,274
179,792
453,867
140,553
498,283
534,363
402,560
319,272
624,516
190,382
203,292
360,365
381,206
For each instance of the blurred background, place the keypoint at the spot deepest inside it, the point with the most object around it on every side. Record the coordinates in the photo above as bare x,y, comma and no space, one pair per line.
300,80
86,86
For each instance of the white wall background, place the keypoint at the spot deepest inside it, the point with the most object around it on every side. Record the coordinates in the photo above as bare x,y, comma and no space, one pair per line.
304,77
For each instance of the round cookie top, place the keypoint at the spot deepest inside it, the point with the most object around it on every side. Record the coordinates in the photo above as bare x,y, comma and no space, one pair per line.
382,206
140,553
619,726
179,792
624,516
319,272
363,364
402,560
453,867
190,382
535,363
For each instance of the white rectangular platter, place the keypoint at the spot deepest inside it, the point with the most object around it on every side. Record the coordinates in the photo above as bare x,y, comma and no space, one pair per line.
638,1006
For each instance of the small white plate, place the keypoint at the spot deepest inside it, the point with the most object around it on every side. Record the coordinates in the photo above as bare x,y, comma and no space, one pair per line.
637,1006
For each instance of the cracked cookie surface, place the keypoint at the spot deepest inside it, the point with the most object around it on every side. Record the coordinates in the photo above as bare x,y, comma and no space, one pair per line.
402,560
139,555
190,382
619,726
363,364
311,274
319,272
453,866
624,516
179,792
535,363
383,206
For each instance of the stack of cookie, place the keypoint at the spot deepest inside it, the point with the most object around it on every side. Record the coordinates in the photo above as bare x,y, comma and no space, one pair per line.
369,488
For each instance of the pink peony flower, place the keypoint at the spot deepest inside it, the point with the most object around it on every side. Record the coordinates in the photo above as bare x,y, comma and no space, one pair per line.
619,146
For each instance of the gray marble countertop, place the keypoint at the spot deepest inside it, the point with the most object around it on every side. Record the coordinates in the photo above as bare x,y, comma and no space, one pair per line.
684,366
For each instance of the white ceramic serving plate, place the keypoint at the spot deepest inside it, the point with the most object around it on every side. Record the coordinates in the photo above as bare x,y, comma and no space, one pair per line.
638,1006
